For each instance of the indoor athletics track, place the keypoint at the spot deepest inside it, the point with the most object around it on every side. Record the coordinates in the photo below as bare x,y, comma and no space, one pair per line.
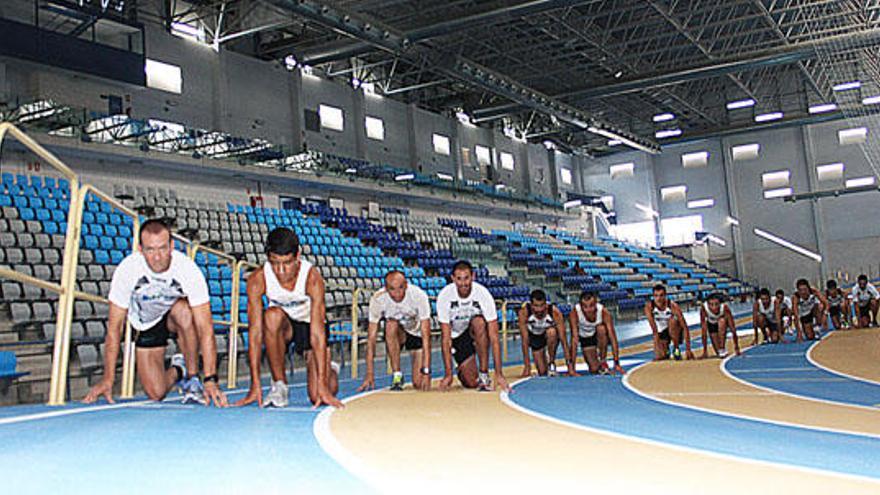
783,418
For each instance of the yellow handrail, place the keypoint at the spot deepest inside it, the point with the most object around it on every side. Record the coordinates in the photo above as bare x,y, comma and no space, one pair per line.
232,364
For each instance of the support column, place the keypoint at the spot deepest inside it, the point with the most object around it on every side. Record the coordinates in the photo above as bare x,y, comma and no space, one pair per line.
360,129
412,147
815,205
455,151
554,174
296,110
733,209
522,161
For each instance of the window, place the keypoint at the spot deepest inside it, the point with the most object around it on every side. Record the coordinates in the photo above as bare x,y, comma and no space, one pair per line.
673,193
375,128
331,117
856,135
621,170
506,160
830,172
677,231
697,159
484,156
643,233
164,77
565,174
745,152
701,203
441,144
776,179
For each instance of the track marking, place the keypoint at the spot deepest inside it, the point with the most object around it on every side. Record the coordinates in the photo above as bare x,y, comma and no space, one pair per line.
836,372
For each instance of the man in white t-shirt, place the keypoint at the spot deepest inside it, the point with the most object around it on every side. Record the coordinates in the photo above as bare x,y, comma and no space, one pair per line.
161,292
407,314
866,300
468,324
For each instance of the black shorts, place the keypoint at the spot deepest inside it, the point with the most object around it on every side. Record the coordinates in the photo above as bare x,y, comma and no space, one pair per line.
834,311
591,341
712,327
302,333
411,343
772,326
537,341
807,319
463,347
664,335
865,311
155,336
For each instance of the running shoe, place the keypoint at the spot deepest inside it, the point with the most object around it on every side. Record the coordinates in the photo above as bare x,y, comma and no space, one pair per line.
397,382
676,353
277,396
552,370
722,353
178,361
483,382
194,392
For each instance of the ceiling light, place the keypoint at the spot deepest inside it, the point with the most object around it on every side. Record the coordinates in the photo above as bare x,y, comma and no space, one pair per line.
847,86
663,117
767,117
733,105
827,107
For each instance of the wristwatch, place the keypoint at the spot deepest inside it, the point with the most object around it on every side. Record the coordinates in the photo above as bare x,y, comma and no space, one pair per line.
211,378
425,371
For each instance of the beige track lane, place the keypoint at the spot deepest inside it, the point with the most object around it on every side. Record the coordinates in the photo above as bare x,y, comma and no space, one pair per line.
852,352
702,384
442,442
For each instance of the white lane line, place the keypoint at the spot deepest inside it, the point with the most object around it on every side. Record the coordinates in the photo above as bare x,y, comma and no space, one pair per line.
711,394
770,370
505,398
717,412
837,372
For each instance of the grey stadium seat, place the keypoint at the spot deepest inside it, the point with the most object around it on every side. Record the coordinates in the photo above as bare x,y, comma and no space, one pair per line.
95,329
43,311
88,356
20,312
7,239
11,291
14,256
25,240
43,272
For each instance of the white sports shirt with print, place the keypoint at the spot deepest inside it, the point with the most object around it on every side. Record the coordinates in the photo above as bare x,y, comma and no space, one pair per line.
458,311
148,295
409,312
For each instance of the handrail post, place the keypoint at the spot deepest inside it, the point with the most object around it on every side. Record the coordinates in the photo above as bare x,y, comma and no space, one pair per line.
354,332
504,331
129,356
234,316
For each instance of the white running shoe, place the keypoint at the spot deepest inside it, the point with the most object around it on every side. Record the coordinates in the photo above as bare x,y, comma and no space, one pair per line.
552,370
193,391
335,367
483,382
277,396
180,362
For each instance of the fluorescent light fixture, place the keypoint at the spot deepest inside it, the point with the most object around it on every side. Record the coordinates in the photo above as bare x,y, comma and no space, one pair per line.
745,151
860,181
789,245
614,142
622,170
663,117
717,240
572,204
667,133
777,179
767,117
832,171
701,203
351,170
856,135
778,193
441,144
871,100
847,86
405,177
696,159
446,177
732,221
622,139
331,117
164,77
187,31
733,105
827,107
507,162
647,209
673,193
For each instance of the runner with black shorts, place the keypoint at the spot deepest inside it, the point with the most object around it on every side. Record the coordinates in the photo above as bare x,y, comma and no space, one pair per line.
767,317
716,319
469,325
407,314
162,293
593,328
667,324
541,325
838,304
866,300
809,304
295,313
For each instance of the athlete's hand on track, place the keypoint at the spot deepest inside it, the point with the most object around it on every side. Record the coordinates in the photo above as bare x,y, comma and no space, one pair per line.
501,382
255,394
102,389
526,372
425,384
572,369
689,355
369,383
617,368
326,398
214,395
445,383
738,352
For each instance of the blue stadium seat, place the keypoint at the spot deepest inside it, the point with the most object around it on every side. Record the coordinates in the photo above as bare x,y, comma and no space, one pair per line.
116,256
102,257
122,243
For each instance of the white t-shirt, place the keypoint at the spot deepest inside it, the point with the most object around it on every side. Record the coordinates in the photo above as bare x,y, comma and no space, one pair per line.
587,328
863,297
412,310
296,303
458,311
148,295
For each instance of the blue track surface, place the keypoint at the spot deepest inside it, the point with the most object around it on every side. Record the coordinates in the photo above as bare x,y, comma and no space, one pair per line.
784,367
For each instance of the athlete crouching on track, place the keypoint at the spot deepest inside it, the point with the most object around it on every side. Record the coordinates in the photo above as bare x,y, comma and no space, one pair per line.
296,313
811,307
767,316
542,327
468,324
667,324
161,292
866,299
838,304
592,326
716,319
